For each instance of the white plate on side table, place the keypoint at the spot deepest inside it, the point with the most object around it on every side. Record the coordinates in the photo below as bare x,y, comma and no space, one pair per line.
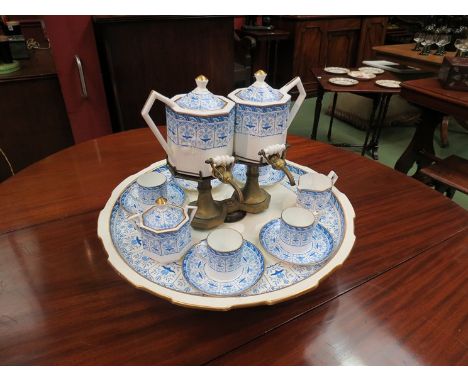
364,76
341,81
370,69
336,70
388,84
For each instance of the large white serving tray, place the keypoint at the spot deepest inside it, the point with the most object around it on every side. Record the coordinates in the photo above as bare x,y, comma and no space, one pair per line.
280,281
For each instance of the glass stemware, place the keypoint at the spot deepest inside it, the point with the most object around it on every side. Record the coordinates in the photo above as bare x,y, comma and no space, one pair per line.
441,41
418,37
426,43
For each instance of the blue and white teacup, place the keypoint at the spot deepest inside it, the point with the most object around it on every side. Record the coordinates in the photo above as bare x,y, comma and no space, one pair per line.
296,230
225,246
314,190
151,186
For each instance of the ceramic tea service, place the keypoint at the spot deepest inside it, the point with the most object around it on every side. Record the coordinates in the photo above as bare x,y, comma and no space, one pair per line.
223,264
165,230
151,186
263,116
146,190
314,190
200,126
297,238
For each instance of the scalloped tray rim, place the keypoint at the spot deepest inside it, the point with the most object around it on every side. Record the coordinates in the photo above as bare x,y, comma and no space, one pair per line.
222,303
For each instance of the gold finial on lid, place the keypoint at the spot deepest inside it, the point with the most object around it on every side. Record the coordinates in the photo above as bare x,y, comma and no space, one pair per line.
260,73
161,201
201,77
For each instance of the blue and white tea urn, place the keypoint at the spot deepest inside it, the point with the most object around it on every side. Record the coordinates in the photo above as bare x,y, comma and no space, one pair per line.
263,116
200,126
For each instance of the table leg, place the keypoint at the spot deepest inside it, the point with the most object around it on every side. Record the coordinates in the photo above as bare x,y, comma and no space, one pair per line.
378,130
423,139
335,96
375,104
318,109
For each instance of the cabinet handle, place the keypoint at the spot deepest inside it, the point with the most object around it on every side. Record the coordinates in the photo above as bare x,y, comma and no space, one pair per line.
84,90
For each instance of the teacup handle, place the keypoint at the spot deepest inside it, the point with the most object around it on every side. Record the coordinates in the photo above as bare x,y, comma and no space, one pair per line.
332,175
191,211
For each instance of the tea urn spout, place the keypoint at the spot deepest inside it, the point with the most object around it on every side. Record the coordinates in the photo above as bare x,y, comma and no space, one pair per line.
274,156
222,170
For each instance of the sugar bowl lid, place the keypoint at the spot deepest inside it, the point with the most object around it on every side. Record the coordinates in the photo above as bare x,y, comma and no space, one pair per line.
163,217
201,98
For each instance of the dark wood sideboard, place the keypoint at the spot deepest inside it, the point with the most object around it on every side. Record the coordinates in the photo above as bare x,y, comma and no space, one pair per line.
138,54
318,41
33,118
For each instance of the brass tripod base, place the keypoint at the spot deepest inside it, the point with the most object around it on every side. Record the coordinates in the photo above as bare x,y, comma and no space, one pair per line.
210,213
256,199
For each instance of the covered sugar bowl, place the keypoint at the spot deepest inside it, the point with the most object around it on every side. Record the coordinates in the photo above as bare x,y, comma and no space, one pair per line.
165,230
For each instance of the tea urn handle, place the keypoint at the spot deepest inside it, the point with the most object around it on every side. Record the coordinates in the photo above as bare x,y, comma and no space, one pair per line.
146,116
302,94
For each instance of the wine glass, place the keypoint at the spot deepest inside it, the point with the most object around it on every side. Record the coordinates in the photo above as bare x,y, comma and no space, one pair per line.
441,41
462,46
418,37
426,43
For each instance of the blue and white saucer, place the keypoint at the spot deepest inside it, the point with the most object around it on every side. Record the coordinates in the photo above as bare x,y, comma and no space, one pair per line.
191,185
196,259
267,176
322,246
130,203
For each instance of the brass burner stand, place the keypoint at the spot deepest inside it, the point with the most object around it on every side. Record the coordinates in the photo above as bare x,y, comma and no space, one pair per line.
256,199
251,199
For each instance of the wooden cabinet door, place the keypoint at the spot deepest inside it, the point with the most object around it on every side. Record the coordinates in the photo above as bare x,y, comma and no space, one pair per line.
372,34
72,36
309,51
342,42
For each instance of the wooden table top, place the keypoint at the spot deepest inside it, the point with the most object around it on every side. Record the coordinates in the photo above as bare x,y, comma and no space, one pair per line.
399,298
429,93
364,86
405,51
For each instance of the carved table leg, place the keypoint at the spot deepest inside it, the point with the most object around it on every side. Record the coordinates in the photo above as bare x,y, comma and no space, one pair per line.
318,109
423,139
335,96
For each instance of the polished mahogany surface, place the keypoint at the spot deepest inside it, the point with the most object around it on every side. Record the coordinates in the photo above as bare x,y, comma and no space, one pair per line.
404,53
62,303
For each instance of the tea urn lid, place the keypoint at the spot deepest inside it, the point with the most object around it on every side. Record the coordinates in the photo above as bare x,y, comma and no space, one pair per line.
200,98
163,217
259,93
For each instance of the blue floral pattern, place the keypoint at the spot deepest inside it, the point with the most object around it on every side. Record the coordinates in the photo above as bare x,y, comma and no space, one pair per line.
200,101
278,274
132,205
163,217
197,259
322,244
261,121
267,175
203,133
313,200
259,94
